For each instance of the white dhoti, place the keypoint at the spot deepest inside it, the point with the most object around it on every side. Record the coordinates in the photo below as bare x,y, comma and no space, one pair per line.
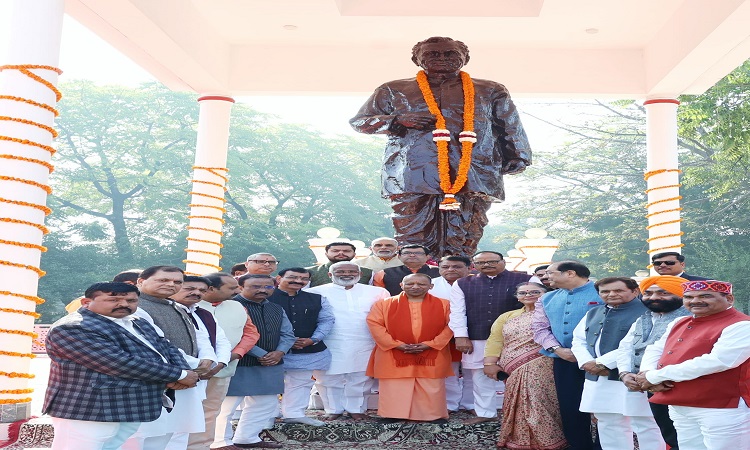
458,390
344,392
297,386
216,390
712,428
485,389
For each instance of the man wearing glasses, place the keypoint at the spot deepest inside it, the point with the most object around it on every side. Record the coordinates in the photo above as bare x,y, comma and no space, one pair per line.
414,257
672,263
261,264
476,301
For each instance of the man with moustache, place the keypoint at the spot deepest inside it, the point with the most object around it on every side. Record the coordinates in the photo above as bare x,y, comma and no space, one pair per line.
662,295
383,255
158,284
476,302
414,257
312,320
259,378
596,338
108,371
242,335
344,386
336,252
556,315
458,390
672,263
700,367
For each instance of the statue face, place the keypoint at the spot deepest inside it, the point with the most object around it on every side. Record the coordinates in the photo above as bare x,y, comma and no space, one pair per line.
441,57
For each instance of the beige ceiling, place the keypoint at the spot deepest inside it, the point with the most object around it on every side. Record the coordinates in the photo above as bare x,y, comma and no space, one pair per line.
540,48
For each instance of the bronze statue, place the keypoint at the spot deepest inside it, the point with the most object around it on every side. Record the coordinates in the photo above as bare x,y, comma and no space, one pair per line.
450,140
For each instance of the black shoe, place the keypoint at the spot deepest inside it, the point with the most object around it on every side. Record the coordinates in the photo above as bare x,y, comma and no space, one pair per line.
388,420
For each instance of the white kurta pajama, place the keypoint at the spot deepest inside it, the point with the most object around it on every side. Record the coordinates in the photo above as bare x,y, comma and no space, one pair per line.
344,386
618,411
458,391
485,389
187,415
706,428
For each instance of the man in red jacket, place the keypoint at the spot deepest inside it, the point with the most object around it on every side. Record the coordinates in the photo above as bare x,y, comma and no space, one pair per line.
700,368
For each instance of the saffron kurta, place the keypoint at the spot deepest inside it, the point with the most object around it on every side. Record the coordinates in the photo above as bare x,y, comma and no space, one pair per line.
415,392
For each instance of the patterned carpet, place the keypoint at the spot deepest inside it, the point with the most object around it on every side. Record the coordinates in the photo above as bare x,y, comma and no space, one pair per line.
339,435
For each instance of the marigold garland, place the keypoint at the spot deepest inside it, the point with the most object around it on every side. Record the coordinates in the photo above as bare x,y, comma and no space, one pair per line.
189,250
205,241
665,236
30,102
20,400
30,334
662,212
38,271
441,136
26,69
41,186
654,250
211,183
47,211
663,223
662,187
20,355
51,150
213,170
651,173
207,217
44,127
32,298
215,197
24,245
205,229
16,375
679,197
187,261
198,205
17,391
42,228
49,166
33,314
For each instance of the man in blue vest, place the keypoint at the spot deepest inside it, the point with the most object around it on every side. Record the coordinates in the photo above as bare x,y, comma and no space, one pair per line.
476,302
596,339
312,319
555,317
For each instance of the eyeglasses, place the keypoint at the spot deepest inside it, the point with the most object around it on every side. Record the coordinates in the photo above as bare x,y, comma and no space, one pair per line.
525,293
266,287
488,263
413,253
261,261
550,272
669,263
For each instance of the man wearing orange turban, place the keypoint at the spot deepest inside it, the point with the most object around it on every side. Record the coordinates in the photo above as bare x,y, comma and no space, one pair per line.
662,295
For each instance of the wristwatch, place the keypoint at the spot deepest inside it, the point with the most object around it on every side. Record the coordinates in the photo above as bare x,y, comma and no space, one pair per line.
553,348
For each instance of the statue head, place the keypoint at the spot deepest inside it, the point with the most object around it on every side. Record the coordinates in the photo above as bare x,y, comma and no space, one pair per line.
440,54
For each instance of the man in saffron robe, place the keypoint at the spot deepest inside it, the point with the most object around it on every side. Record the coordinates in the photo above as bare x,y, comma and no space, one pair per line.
411,177
411,358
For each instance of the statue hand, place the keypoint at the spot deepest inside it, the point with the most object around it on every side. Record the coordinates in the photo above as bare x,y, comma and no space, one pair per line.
418,121
514,166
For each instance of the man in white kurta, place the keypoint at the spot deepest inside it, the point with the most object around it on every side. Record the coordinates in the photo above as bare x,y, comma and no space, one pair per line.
383,255
595,345
344,386
458,390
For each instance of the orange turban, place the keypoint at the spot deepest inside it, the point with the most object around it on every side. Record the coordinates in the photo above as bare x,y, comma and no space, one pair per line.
667,282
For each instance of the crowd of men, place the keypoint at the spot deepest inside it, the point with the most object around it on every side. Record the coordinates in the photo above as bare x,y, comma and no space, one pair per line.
157,359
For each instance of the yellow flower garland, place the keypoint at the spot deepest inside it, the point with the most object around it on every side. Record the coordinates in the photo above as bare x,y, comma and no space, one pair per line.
441,137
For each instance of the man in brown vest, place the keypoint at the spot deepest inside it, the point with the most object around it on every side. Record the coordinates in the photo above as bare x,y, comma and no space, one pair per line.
700,369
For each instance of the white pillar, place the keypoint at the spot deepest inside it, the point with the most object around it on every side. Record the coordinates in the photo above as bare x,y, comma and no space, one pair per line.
662,176
209,181
28,96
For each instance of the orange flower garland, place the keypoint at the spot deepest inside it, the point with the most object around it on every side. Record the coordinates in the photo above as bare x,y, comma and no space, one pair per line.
441,136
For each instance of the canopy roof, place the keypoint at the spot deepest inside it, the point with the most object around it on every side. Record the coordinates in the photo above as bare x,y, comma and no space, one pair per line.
538,48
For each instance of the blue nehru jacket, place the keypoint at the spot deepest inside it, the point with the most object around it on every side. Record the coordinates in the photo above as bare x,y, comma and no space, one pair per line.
565,308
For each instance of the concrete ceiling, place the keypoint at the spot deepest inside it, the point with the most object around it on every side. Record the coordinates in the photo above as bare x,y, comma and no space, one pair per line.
537,48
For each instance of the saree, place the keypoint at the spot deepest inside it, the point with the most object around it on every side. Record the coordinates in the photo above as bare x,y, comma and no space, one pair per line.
531,415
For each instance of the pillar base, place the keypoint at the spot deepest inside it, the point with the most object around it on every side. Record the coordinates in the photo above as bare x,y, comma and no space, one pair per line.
13,412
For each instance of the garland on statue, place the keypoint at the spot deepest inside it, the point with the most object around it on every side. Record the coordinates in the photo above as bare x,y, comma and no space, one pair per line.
441,136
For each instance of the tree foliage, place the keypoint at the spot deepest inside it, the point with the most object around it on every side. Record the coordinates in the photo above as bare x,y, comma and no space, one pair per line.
122,183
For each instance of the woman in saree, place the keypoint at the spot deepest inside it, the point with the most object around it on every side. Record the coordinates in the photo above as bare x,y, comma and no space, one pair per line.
531,416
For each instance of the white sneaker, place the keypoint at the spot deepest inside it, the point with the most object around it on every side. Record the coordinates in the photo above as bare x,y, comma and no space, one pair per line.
306,421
